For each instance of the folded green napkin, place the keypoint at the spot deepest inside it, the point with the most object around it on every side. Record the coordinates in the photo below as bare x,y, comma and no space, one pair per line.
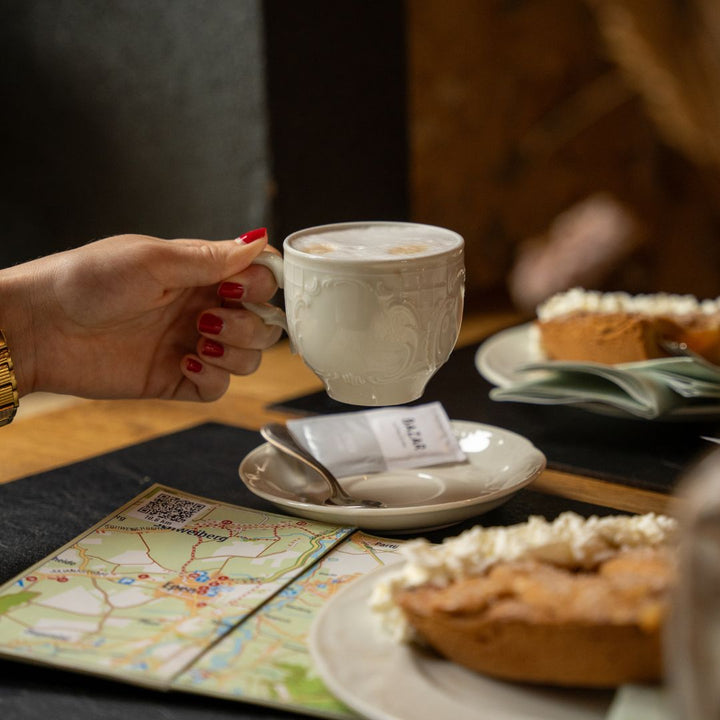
687,376
649,389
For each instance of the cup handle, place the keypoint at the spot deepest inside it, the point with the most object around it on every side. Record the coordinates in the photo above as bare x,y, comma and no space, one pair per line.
274,263
270,314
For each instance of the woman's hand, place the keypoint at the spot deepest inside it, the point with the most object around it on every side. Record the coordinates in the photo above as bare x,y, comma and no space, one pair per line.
134,316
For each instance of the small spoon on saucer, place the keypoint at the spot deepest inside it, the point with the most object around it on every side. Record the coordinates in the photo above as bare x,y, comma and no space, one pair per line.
279,437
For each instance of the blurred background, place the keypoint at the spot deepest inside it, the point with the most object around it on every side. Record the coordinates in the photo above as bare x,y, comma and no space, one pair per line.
571,142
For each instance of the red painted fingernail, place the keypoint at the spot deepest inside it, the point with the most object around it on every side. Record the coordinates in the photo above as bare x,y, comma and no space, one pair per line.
212,349
231,290
193,365
253,235
210,324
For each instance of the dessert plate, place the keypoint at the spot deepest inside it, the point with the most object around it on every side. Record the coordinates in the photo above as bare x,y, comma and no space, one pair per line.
500,356
385,680
662,389
499,463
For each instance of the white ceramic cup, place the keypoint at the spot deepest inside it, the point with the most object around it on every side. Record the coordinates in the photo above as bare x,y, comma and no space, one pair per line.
373,308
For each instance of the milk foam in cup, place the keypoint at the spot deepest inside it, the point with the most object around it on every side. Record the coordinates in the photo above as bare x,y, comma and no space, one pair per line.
373,308
374,242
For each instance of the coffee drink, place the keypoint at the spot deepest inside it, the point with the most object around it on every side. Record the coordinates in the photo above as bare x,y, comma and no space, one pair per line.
374,242
374,308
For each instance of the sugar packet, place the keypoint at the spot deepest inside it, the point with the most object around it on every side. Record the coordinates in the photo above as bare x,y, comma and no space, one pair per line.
370,441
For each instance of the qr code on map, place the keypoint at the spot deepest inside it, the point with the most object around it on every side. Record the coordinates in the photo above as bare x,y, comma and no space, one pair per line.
166,509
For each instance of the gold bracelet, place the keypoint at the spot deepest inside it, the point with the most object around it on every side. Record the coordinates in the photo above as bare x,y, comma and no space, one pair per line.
9,399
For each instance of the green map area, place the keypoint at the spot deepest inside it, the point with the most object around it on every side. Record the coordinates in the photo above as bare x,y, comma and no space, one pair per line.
266,659
177,591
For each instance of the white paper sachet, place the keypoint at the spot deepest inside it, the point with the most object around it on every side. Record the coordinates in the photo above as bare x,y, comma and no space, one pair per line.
369,441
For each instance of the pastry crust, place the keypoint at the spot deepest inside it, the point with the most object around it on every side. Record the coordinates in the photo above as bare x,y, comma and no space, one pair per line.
590,326
605,338
535,622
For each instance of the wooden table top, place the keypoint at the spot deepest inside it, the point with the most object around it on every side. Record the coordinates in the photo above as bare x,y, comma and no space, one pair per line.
49,432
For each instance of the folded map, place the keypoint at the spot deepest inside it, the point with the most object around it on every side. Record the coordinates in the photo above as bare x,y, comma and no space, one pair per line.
178,592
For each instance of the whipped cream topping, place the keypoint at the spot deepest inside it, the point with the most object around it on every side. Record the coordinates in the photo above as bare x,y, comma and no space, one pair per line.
580,300
569,541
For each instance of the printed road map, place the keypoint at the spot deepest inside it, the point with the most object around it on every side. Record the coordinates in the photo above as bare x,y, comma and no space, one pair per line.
145,596
266,659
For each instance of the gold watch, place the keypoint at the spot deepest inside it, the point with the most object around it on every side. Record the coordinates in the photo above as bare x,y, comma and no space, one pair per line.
9,399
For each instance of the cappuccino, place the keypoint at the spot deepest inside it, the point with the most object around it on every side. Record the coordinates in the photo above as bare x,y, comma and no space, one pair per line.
373,308
376,242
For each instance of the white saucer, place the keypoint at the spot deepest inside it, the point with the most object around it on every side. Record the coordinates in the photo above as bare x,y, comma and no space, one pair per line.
499,464
385,680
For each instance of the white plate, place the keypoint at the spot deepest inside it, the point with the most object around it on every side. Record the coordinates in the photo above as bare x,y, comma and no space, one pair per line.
499,357
384,680
499,463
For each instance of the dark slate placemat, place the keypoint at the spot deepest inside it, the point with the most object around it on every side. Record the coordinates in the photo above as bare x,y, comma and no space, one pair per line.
638,453
43,512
